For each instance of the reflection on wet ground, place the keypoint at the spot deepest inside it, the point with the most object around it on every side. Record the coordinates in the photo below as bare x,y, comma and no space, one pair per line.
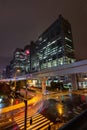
64,108
9,102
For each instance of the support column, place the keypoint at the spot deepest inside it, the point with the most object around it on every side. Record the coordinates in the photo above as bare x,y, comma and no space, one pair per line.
44,79
74,81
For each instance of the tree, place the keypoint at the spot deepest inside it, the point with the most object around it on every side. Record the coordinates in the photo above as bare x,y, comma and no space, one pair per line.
58,85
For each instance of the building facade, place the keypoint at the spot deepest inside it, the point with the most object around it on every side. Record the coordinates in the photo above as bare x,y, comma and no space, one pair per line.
23,60
55,45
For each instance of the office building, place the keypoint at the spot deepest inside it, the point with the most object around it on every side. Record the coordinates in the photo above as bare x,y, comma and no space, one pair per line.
55,45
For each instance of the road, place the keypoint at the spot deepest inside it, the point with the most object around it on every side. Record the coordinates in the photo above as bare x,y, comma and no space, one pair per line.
58,108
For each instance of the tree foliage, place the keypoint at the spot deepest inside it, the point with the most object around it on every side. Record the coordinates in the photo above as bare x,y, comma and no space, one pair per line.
58,85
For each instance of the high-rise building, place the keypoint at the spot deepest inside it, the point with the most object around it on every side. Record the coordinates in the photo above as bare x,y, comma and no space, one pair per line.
19,61
23,59
55,45
32,57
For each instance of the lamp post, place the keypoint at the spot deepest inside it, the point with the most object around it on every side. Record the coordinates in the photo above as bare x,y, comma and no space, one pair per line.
15,75
25,101
25,120
17,71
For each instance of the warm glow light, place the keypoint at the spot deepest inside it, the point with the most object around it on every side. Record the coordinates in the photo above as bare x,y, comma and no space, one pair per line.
60,109
18,70
12,100
33,100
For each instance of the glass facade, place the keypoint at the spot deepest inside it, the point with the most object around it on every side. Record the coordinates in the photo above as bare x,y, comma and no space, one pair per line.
20,61
56,45
82,80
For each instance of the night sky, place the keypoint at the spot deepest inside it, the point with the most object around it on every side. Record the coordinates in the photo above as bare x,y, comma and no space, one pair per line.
22,21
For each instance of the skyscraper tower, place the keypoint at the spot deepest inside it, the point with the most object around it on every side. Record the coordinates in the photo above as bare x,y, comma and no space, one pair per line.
56,45
53,47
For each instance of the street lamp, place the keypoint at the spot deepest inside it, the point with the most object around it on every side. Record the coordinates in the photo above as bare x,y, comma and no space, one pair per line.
25,101
25,120
15,75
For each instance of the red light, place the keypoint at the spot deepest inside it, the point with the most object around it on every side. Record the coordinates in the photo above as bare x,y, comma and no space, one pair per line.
16,102
27,52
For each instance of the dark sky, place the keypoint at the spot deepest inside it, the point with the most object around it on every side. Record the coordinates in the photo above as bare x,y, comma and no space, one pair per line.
22,21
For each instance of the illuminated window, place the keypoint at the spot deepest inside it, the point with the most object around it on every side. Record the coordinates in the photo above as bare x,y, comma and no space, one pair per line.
68,39
49,64
54,63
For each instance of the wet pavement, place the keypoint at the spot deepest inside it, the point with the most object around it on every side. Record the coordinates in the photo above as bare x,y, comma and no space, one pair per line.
61,108
64,108
9,102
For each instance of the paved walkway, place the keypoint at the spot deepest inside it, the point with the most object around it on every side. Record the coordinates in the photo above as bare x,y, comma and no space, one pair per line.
78,123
